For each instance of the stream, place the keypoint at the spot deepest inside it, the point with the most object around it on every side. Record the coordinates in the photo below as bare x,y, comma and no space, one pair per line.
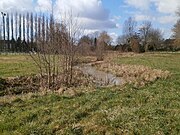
99,77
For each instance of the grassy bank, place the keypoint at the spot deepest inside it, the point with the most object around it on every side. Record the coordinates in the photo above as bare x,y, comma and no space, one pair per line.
153,109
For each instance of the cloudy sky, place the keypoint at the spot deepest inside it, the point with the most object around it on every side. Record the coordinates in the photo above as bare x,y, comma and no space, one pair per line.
108,15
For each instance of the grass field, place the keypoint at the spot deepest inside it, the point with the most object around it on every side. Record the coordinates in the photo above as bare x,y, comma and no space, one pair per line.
153,109
16,65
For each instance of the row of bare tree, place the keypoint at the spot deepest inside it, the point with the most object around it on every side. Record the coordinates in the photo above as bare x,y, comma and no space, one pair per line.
20,32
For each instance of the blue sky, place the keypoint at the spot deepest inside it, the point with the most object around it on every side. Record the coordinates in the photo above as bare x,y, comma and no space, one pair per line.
160,12
108,15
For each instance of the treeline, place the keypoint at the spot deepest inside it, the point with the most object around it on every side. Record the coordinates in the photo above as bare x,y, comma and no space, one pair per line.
143,38
20,32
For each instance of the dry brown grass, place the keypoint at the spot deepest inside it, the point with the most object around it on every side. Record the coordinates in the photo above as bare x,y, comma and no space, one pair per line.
31,84
137,75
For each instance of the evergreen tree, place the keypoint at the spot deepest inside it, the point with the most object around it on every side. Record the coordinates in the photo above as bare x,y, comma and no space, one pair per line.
32,30
20,45
8,34
27,28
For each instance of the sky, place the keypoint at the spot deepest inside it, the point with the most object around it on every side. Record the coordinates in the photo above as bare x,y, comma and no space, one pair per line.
104,15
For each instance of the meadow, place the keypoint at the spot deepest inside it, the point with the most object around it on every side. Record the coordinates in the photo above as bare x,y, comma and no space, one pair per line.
151,109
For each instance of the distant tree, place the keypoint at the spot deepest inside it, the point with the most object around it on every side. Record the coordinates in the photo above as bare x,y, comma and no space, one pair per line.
135,44
129,27
176,31
4,30
85,45
16,25
20,26
0,36
8,32
39,27
145,31
24,28
121,40
85,39
12,33
103,40
20,33
47,29
12,26
154,40
27,28
43,28
36,27
32,30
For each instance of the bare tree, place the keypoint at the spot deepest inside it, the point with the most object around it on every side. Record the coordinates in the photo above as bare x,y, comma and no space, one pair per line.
8,32
71,33
121,40
145,31
27,29
12,26
39,27
12,33
43,29
103,40
20,26
16,25
85,45
154,40
20,33
4,30
36,27
0,35
24,28
32,30
176,31
47,29
129,27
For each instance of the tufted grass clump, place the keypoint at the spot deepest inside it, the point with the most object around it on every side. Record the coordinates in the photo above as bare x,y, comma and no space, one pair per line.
138,75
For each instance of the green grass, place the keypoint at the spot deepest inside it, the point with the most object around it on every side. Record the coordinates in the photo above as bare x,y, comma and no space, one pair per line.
165,61
16,65
154,109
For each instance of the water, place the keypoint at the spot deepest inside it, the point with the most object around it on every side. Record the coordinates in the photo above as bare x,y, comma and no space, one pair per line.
100,78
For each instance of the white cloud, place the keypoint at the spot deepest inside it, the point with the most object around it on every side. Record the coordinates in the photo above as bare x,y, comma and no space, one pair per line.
92,9
162,6
16,5
114,37
43,5
116,18
96,24
167,19
158,11
91,14
167,6
91,32
140,17
167,32
140,4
